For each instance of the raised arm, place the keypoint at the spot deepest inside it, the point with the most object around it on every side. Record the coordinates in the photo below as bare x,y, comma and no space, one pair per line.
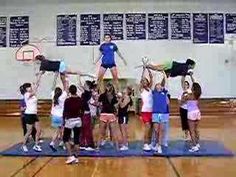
182,82
150,77
39,76
80,85
164,80
191,76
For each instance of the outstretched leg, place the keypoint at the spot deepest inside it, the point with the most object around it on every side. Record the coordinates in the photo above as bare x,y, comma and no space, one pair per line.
101,74
115,77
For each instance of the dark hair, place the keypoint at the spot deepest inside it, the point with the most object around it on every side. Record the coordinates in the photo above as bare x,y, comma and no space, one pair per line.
22,90
57,94
197,90
40,57
130,90
94,85
89,84
73,89
108,35
190,62
112,86
26,85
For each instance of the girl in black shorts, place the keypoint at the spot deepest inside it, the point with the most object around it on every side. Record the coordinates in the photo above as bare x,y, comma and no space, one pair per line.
31,118
124,102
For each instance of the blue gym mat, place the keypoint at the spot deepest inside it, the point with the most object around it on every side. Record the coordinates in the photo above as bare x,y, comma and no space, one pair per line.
177,148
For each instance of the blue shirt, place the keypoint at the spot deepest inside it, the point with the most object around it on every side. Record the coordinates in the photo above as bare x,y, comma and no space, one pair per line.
108,50
160,101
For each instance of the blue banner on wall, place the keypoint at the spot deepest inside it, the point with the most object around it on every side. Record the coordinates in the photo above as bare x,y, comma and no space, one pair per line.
216,28
3,31
200,28
180,26
157,26
135,26
19,30
230,23
66,30
90,29
113,25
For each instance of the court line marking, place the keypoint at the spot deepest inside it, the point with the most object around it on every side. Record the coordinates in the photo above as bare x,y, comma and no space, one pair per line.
95,168
42,167
25,165
173,167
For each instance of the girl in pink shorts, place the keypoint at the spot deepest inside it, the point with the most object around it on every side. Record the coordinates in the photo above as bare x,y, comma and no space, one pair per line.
194,115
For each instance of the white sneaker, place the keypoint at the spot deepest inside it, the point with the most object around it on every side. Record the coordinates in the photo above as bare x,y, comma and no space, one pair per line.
41,141
61,144
194,149
159,149
198,146
71,159
82,148
165,144
89,149
154,148
146,147
37,148
103,143
24,148
124,148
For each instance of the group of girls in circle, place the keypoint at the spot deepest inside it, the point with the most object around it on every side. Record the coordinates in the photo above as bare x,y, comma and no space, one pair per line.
73,112
155,109
76,112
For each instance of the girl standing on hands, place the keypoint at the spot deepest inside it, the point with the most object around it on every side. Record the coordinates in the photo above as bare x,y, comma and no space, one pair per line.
107,51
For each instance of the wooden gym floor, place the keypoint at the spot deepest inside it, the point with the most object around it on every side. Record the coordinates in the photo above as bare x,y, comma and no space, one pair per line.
221,128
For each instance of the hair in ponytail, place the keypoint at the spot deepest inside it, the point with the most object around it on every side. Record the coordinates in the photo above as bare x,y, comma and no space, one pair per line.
57,94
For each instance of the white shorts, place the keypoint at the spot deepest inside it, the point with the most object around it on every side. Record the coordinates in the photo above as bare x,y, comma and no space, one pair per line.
73,122
194,115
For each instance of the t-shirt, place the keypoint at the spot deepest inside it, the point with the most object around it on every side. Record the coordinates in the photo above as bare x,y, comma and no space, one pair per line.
47,65
107,106
73,108
146,100
31,104
160,101
57,110
184,105
108,50
86,96
178,69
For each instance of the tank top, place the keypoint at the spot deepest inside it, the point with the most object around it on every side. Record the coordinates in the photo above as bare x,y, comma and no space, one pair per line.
146,100
192,105
124,111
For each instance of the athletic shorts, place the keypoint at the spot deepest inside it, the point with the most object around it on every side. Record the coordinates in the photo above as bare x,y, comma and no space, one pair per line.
56,121
67,135
146,117
30,119
123,119
194,115
62,67
105,117
160,118
106,66
73,122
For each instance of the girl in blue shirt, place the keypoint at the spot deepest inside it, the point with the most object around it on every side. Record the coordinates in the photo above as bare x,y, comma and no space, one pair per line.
160,114
107,56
